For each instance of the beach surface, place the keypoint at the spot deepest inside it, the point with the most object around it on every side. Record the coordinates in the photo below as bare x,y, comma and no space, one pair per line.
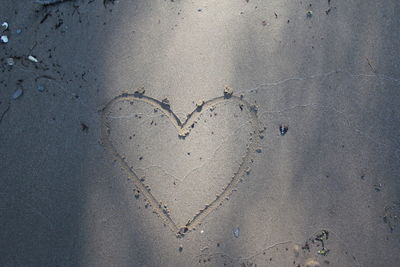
200,133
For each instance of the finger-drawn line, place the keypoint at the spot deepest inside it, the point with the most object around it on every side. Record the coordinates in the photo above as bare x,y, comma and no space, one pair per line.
183,129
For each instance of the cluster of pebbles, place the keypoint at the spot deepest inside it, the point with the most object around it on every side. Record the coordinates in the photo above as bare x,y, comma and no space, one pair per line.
4,39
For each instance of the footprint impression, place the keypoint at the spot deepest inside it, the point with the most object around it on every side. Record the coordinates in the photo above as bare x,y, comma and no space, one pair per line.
184,168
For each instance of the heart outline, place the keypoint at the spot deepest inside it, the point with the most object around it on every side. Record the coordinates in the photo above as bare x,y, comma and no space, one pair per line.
183,129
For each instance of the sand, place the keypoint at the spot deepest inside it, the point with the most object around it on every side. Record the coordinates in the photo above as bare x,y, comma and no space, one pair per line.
200,133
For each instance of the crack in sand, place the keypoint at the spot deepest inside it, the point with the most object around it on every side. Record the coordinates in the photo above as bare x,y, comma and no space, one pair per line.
264,86
224,140
345,119
5,111
267,84
205,258
150,116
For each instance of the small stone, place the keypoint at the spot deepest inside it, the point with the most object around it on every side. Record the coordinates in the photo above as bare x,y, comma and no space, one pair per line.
183,230
166,102
33,59
183,132
10,61
4,39
248,170
140,91
378,187
236,232
283,129
228,92
17,93
309,14
254,108
323,251
40,88
296,250
180,248
200,103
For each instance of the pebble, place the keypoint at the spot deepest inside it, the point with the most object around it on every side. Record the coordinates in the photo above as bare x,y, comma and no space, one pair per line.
248,170
166,102
236,232
33,59
4,39
183,230
283,130
296,250
200,103
140,91
10,61
17,93
228,91
183,132
254,108
40,88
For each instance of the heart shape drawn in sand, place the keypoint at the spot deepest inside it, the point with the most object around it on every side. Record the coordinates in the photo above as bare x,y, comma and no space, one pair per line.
183,129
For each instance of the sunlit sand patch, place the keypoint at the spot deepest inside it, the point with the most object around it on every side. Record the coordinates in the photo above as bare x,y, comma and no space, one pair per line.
183,129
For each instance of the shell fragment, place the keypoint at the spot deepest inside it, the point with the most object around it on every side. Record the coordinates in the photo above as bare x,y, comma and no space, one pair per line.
4,26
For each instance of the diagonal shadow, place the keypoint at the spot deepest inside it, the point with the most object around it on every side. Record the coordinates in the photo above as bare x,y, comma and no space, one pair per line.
337,98
62,202
58,208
